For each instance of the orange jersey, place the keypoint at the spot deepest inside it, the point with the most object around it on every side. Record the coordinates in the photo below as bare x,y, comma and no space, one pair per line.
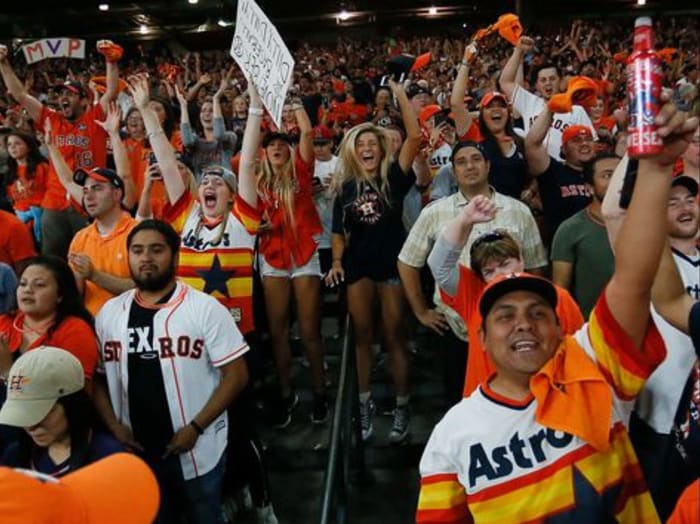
82,143
466,303
28,192
73,334
15,240
218,262
108,254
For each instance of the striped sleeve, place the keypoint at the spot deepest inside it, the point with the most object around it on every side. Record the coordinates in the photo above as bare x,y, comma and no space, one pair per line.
177,213
625,367
442,497
248,215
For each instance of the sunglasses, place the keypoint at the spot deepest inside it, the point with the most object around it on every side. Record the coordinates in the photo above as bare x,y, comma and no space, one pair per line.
486,238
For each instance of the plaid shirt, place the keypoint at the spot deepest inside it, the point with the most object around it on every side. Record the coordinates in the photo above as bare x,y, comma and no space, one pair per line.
513,216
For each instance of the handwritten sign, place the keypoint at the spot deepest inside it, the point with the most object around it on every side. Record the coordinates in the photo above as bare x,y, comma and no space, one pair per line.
260,52
54,48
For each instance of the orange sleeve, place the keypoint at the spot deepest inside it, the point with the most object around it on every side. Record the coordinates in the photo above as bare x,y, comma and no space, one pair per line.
77,337
688,507
21,245
569,313
177,213
473,134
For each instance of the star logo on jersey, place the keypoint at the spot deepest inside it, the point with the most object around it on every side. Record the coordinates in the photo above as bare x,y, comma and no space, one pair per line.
215,278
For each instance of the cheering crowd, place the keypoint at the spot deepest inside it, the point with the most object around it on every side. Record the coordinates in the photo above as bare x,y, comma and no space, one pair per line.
482,187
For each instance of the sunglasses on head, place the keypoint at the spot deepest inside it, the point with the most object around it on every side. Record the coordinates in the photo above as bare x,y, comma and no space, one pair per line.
486,238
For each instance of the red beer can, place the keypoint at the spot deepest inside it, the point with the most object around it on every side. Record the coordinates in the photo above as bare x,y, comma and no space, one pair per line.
644,78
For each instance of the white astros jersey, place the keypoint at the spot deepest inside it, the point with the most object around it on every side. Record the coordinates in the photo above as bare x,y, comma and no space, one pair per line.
530,106
194,335
658,402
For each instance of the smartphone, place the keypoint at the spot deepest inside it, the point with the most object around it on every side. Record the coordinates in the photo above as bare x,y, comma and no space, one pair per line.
152,158
440,118
384,81
628,184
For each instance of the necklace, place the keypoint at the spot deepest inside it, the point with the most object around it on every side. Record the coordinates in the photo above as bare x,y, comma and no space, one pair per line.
38,329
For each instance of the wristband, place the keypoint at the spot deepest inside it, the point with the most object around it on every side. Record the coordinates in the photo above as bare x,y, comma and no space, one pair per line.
197,427
257,111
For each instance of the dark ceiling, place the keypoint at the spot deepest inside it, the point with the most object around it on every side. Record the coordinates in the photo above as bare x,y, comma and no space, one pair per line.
181,20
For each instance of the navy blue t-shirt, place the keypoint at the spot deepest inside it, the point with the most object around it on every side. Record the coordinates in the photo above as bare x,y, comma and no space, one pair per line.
563,193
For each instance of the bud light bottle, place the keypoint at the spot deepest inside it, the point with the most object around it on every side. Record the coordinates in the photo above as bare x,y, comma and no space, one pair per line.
644,76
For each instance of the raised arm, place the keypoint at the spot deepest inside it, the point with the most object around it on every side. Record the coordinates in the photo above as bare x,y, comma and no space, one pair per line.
668,293
174,186
538,158
121,157
463,119
61,167
610,208
249,148
509,75
448,246
16,87
629,291
306,140
189,138
411,145
112,53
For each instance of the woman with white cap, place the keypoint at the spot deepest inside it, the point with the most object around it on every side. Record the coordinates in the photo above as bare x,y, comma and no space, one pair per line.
46,397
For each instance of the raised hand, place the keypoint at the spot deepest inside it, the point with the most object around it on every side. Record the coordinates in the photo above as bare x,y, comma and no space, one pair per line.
138,87
526,44
675,128
480,209
113,119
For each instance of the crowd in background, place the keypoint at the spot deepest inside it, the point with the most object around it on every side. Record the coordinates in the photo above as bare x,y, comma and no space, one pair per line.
352,190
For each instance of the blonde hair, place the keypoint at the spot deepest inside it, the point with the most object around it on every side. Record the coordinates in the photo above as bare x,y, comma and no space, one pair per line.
349,167
280,187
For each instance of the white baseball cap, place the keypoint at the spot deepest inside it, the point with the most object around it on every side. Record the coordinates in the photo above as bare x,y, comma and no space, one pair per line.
36,381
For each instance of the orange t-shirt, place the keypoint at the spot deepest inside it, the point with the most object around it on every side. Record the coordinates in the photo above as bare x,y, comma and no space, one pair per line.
688,507
28,192
108,254
73,334
466,303
15,240
284,244
82,143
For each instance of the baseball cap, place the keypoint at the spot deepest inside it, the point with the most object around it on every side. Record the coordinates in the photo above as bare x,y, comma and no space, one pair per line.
490,97
269,137
73,86
687,182
428,112
36,381
504,284
416,89
228,175
574,131
101,174
467,143
117,489
322,134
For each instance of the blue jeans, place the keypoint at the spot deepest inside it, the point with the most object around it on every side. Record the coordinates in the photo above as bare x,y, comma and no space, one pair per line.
199,499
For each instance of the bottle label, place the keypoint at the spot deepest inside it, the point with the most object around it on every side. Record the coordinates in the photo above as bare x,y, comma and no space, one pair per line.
644,77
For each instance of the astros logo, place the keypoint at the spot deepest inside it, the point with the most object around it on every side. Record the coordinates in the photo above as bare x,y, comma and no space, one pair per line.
17,383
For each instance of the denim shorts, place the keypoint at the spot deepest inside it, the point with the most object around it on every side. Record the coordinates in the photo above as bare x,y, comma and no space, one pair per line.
311,269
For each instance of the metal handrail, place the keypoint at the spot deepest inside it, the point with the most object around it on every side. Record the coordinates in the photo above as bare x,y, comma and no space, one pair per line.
345,432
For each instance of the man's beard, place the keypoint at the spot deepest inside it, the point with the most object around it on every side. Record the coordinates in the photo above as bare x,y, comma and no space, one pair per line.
155,281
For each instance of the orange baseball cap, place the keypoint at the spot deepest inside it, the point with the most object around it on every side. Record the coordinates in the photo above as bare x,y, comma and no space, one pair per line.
118,489
504,284
428,112
574,131
490,97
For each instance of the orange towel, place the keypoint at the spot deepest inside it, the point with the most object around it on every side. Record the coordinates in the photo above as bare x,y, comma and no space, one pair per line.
111,51
101,84
509,27
581,91
573,396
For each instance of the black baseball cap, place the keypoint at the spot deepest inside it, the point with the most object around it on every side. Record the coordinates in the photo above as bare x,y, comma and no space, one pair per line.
467,143
100,174
416,89
687,182
504,284
269,137
75,87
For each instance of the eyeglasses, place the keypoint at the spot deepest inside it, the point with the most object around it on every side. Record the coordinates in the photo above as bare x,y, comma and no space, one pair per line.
486,238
